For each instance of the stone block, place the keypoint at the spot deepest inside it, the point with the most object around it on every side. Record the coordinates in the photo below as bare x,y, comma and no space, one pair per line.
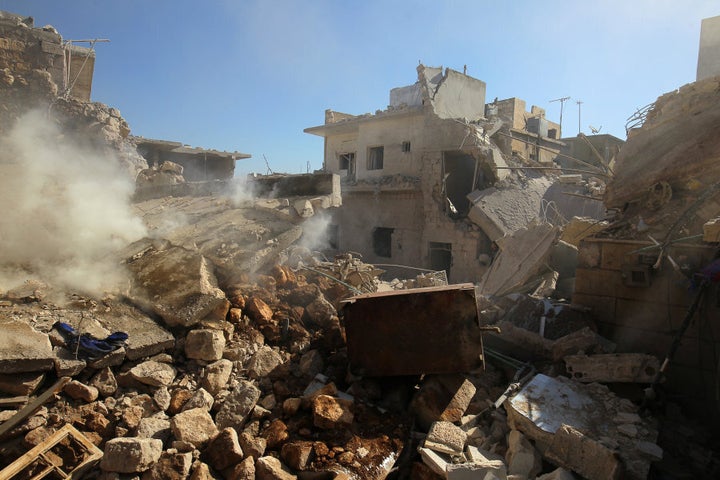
66,365
216,376
332,413
200,399
711,230
438,462
238,405
130,454
224,451
151,427
270,468
170,466
155,374
20,383
612,368
254,446
79,391
195,426
522,457
445,437
23,349
442,397
263,362
573,450
487,470
297,455
205,344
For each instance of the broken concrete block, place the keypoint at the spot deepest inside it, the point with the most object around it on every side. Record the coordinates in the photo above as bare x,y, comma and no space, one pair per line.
270,468
297,455
170,466
485,470
583,340
20,383
438,462
130,454
574,178
105,382
711,230
332,413
195,426
217,375
569,421
23,349
237,406
442,397
79,391
224,450
613,367
155,374
178,283
66,365
445,437
522,457
200,399
152,427
557,474
205,344
263,362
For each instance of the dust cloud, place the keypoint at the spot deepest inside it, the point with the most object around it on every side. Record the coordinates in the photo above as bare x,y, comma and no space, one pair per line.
66,210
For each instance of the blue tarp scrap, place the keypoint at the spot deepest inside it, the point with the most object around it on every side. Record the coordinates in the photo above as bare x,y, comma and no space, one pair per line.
87,346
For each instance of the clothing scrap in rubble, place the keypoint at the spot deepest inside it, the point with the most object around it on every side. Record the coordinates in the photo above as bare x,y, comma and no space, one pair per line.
87,346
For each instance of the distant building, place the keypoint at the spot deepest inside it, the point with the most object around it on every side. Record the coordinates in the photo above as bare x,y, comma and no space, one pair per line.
407,171
199,164
592,151
709,52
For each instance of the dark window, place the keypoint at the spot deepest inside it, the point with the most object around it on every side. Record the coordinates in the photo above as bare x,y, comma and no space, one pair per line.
406,147
382,242
440,256
375,158
347,160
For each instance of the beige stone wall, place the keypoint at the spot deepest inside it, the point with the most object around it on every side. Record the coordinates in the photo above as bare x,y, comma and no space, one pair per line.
645,319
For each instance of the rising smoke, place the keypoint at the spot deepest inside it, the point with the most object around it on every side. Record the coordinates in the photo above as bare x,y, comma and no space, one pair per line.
66,210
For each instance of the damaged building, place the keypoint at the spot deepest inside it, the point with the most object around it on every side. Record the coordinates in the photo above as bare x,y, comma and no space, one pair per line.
419,178
228,348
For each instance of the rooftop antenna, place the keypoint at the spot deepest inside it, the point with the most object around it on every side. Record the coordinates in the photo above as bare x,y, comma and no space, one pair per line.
579,104
562,101
595,130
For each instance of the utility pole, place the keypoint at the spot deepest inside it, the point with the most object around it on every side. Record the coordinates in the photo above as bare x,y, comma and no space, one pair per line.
579,103
562,102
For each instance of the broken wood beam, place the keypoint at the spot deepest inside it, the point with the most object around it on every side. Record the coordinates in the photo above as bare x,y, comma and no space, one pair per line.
32,406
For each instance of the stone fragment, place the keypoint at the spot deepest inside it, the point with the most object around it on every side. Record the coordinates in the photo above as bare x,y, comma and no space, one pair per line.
153,373
264,361
711,230
332,413
132,416
291,406
112,359
297,455
445,437
192,292
258,310
268,402
522,458
244,470
201,471
178,397
23,349
252,445
320,312
170,466
162,398
224,450
152,427
442,397
217,375
583,455
200,399
130,454
311,363
486,470
438,462
238,405
276,434
66,365
105,382
20,383
613,367
79,391
195,426
650,449
557,474
270,468
205,344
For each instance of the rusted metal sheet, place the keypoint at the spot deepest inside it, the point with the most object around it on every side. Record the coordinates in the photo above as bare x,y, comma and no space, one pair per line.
409,332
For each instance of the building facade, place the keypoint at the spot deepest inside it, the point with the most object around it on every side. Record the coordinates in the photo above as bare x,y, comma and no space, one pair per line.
407,172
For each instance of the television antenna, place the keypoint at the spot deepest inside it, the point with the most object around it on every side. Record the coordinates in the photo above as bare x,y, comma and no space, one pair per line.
562,101
595,130
579,104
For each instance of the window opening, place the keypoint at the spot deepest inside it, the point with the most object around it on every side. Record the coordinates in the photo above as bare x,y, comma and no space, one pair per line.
382,241
375,158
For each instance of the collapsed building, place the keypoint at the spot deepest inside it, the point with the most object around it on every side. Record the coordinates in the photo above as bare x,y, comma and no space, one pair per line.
426,173
230,348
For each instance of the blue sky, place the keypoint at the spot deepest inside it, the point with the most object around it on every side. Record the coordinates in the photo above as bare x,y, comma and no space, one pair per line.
251,75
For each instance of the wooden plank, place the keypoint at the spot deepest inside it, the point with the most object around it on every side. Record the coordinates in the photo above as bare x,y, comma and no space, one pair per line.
32,406
11,402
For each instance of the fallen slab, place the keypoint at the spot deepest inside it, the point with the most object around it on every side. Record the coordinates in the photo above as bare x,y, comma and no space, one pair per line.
582,428
23,349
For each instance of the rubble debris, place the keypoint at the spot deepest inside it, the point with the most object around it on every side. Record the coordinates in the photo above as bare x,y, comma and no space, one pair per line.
527,252
130,454
66,453
31,407
572,425
23,349
425,330
614,367
442,397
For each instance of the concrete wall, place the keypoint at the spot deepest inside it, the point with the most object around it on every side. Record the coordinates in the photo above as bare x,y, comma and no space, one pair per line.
458,96
645,318
709,52
408,96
